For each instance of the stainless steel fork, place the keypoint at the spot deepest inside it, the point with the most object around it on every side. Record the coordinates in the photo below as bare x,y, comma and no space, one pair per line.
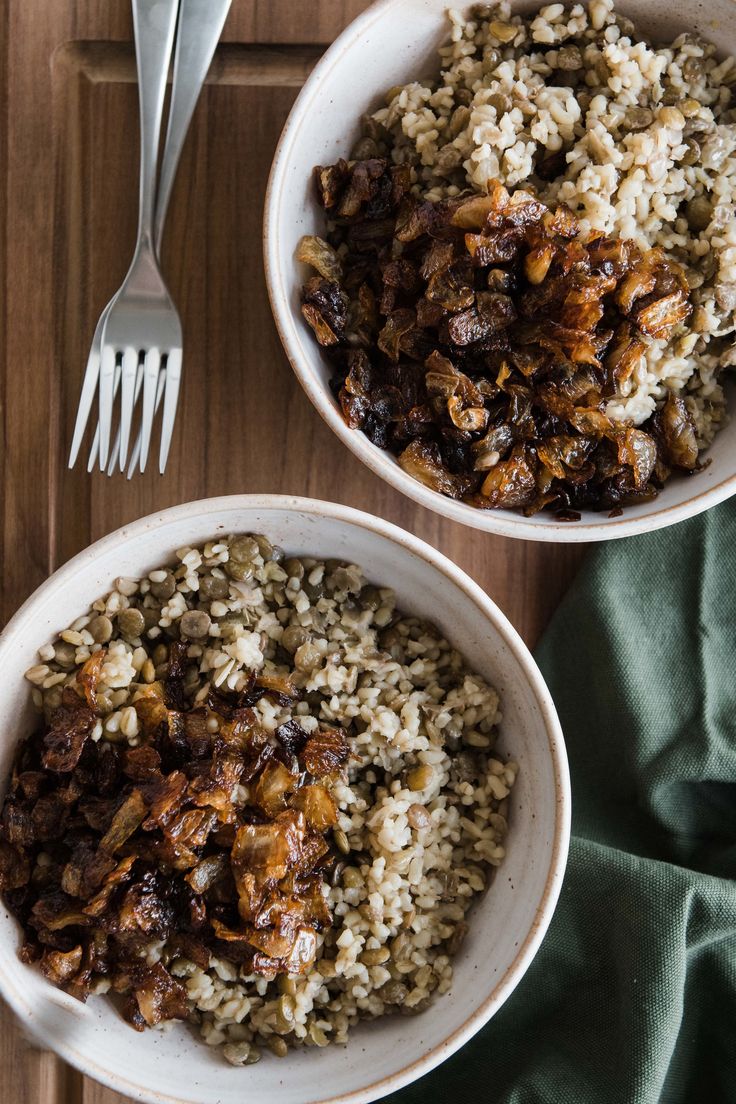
198,32
142,350
147,310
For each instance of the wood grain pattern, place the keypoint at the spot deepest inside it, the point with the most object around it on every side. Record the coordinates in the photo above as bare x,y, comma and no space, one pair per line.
68,165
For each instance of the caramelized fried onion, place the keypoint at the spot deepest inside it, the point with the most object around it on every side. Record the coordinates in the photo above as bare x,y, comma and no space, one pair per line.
105,848
480,339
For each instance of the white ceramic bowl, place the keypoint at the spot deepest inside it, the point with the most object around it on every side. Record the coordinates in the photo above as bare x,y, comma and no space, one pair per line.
393,42
507,925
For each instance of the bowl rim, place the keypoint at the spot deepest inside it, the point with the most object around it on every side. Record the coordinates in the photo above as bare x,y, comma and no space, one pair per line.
501,523
511,640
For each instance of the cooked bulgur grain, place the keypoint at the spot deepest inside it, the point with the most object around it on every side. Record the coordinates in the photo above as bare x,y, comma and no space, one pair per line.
422,809
639,140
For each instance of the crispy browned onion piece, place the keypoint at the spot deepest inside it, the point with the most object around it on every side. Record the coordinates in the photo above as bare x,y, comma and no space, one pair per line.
154,843
480,338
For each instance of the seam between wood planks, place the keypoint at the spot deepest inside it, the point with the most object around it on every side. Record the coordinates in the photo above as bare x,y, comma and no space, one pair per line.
233,63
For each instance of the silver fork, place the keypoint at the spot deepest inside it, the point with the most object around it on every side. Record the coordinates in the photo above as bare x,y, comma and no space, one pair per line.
154,23
198,32
143,327
140,323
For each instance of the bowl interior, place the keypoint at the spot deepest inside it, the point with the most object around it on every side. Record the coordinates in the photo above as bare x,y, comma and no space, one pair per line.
506,926
394,42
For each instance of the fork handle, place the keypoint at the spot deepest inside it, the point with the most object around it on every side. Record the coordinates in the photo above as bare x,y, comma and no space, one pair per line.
154,23
199,30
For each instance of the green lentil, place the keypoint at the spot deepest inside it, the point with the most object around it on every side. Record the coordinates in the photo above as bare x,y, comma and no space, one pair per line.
243,550
131,622
504,32
637,118
213,588
671,117
293,637
460,118
100,629
347,579
569,58
418,817
265,547
317,1035
336,875
65,654
370,598
390,638
165,588
314,591
240,572
691,156
195,624
284,1019
294,569
150,616
698,213
364,149
352,878
420,777
400,947
501,102
393,992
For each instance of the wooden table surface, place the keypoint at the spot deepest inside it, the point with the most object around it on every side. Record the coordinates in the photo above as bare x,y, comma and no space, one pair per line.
68,208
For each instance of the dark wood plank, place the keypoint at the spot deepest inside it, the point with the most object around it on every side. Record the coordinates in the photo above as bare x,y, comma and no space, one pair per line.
288,21
32,1076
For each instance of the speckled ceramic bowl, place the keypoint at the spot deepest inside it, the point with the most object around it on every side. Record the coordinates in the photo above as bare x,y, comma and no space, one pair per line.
393,42
506,925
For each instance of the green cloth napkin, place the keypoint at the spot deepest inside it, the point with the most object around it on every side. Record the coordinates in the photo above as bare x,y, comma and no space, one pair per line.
632,996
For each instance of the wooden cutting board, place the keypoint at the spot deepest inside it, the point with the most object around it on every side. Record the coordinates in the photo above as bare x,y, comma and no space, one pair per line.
68,208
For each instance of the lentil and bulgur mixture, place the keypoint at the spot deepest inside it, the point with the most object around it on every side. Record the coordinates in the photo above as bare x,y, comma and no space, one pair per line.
631,142
260,799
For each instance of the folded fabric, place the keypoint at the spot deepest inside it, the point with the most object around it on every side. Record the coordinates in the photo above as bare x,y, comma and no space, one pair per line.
632,997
